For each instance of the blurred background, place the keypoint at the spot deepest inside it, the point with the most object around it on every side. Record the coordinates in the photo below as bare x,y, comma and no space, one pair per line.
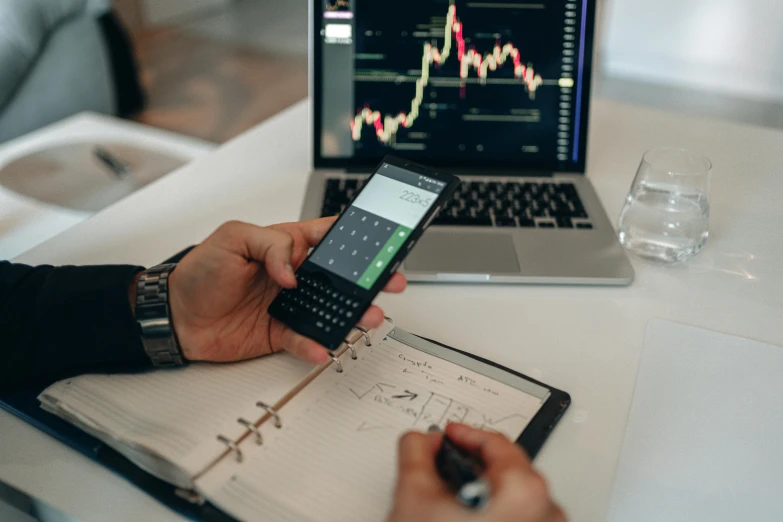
235,62
721,58
154,84
214,68
242,60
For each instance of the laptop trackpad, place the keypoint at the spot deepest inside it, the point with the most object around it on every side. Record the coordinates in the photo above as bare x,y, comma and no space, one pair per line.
463,253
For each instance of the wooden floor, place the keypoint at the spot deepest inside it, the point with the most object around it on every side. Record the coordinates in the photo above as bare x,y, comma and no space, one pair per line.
210,89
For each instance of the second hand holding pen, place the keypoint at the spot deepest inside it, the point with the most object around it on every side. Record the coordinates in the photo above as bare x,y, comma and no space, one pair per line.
461,471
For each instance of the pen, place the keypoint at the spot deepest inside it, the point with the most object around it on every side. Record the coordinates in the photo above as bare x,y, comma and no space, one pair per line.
461,471
116,165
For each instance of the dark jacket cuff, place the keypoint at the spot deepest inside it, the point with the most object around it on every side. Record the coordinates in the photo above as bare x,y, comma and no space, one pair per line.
87,321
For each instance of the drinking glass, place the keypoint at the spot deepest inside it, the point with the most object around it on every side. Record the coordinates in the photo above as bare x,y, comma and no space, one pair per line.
666,214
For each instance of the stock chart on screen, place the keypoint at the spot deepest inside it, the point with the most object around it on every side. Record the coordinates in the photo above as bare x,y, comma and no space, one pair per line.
453,78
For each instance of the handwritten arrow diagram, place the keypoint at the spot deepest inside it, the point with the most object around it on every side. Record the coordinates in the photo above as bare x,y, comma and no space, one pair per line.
408,395
381,386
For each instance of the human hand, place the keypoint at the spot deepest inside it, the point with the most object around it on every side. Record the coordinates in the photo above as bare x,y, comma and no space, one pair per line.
221,290
518,492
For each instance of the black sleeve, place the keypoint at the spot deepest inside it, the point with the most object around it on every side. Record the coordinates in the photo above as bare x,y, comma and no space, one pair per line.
59,322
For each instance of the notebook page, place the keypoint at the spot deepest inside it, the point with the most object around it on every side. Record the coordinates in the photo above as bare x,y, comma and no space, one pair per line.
177,414
335,457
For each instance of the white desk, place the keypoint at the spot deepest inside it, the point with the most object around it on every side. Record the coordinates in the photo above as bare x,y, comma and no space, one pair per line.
584,340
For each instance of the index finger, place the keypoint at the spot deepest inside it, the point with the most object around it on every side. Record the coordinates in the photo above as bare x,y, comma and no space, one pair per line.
499,454
270,246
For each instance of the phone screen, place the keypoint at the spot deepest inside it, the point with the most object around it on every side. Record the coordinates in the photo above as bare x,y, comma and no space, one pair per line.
377,224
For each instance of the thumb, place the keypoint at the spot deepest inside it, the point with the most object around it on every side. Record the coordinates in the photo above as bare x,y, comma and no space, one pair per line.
265,245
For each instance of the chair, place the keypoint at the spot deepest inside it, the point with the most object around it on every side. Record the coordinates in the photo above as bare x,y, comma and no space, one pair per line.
59,58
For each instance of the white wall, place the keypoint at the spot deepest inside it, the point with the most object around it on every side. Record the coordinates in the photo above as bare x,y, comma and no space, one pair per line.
728,46
167,11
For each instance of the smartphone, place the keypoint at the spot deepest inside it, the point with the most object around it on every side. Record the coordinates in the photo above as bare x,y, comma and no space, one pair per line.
350,266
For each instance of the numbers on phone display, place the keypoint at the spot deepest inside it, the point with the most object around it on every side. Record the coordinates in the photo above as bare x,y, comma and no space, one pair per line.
415,199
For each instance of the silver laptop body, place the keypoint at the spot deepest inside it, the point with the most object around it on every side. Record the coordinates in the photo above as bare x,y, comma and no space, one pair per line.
586,251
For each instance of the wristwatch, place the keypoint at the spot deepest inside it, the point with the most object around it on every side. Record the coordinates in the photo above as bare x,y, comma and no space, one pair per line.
154,317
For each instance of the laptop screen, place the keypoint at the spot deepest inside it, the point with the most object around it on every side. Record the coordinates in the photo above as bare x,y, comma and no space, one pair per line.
462,83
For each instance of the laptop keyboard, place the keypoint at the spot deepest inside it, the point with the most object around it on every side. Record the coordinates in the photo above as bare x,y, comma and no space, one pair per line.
339,193
518,204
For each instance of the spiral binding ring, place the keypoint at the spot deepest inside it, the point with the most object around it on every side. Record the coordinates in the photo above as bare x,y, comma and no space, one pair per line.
232,446
191,496
367,340
353,350
271,411
338,363
252,427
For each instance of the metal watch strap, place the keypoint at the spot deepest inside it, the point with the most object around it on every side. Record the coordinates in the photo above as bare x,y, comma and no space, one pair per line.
154,317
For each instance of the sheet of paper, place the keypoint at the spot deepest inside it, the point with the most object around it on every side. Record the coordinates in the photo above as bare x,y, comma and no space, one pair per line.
703,440
178,414
335,457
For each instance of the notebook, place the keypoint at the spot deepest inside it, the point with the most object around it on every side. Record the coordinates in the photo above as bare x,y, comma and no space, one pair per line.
703,436
277,439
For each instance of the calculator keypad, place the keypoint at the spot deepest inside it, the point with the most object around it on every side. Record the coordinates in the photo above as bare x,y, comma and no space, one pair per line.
354,243
319,303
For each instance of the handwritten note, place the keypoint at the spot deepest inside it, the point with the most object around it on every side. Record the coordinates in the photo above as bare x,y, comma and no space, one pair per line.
427,390
335,457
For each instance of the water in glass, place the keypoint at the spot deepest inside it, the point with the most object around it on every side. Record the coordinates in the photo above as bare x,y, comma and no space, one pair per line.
666,214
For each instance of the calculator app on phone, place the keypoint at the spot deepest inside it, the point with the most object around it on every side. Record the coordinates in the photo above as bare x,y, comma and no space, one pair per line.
376,225
361,251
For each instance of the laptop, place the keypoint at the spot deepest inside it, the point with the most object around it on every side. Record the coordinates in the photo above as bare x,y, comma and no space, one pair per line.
497,93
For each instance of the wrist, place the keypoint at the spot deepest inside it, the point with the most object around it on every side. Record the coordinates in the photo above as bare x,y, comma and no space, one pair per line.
153,314
175,315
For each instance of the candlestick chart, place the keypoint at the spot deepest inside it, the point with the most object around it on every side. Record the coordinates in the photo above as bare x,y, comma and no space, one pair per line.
460,77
